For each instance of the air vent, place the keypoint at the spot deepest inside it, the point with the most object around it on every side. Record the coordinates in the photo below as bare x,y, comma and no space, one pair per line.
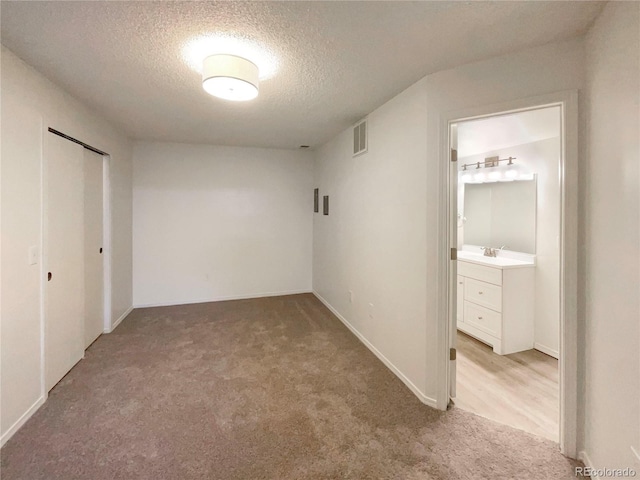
360,138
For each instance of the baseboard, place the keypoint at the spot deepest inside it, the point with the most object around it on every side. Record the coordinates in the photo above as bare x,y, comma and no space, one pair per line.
602,473
584,458
636,454
22,420
416,391
120,319
223,299
549,351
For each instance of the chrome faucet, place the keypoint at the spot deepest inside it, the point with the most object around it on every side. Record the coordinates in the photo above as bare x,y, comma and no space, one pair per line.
489,252
492,252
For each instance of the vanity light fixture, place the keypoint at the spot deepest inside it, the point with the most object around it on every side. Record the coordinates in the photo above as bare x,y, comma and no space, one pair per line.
489,162
511,173
230,77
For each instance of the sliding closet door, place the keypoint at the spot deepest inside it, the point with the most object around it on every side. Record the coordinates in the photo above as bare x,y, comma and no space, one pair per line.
64,244
93,264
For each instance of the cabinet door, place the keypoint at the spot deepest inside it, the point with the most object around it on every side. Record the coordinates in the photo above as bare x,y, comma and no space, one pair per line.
460,299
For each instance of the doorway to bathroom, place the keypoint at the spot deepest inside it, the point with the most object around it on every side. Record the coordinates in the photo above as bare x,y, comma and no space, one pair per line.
511,284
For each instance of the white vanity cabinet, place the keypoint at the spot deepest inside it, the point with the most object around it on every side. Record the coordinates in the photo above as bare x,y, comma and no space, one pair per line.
495,304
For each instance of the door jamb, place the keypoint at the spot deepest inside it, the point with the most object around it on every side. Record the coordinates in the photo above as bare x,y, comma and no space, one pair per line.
568,358
106,241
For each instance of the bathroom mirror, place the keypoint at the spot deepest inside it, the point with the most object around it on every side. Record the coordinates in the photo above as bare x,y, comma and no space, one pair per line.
500,213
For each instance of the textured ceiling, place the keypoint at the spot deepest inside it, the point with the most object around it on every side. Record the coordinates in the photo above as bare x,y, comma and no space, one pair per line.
336,61
495,133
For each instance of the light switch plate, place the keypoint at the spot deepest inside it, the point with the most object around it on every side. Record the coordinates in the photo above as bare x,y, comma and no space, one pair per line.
33,255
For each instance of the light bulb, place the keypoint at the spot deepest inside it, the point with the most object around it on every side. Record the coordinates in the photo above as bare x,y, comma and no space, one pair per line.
495,175
512,173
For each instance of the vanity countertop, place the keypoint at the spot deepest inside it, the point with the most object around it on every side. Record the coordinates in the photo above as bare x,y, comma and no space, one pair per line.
496,262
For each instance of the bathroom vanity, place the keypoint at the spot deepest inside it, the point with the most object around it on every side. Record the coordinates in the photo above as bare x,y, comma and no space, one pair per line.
495,300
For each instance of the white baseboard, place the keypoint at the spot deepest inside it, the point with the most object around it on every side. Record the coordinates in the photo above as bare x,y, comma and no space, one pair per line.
120,319
544,349
22,420
584,458
416,391
607,472
223,299
636,454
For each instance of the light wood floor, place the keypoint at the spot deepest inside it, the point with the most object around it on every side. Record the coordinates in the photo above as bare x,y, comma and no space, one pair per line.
520,390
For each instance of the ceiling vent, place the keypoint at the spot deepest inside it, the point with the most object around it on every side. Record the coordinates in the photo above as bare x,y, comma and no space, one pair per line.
360,138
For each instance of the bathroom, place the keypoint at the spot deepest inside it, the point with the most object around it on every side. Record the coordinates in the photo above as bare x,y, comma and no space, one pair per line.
508,268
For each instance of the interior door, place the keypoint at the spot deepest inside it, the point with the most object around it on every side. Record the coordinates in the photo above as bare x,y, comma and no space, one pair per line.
64,250
93,256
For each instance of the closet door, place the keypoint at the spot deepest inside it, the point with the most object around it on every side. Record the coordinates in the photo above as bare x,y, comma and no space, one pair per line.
93,256
64,244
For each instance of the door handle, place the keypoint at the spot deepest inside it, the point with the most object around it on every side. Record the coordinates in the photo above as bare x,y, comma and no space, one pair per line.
49,277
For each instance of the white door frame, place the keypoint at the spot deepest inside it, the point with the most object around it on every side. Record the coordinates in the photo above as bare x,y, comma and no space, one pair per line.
106,240
568,358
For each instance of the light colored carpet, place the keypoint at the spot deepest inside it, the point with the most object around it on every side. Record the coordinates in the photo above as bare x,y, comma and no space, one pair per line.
273,388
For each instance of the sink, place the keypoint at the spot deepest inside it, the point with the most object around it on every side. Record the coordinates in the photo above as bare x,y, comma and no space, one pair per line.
499,261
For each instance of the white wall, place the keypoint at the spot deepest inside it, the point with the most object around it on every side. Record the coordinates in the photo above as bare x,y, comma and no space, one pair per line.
543,159
611,255
381,239
30,104
213,223
373,242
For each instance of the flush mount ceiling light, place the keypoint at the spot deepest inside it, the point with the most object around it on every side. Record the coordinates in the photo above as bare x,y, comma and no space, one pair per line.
230,77
197,49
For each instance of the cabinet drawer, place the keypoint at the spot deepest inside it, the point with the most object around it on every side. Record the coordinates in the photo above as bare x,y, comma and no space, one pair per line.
483,293
480,272
483,319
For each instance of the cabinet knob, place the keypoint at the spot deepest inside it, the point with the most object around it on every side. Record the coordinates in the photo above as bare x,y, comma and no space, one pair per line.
479,318
49,277
479,293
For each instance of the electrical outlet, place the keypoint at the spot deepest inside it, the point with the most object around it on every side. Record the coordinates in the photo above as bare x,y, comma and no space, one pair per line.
371,310
350,296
